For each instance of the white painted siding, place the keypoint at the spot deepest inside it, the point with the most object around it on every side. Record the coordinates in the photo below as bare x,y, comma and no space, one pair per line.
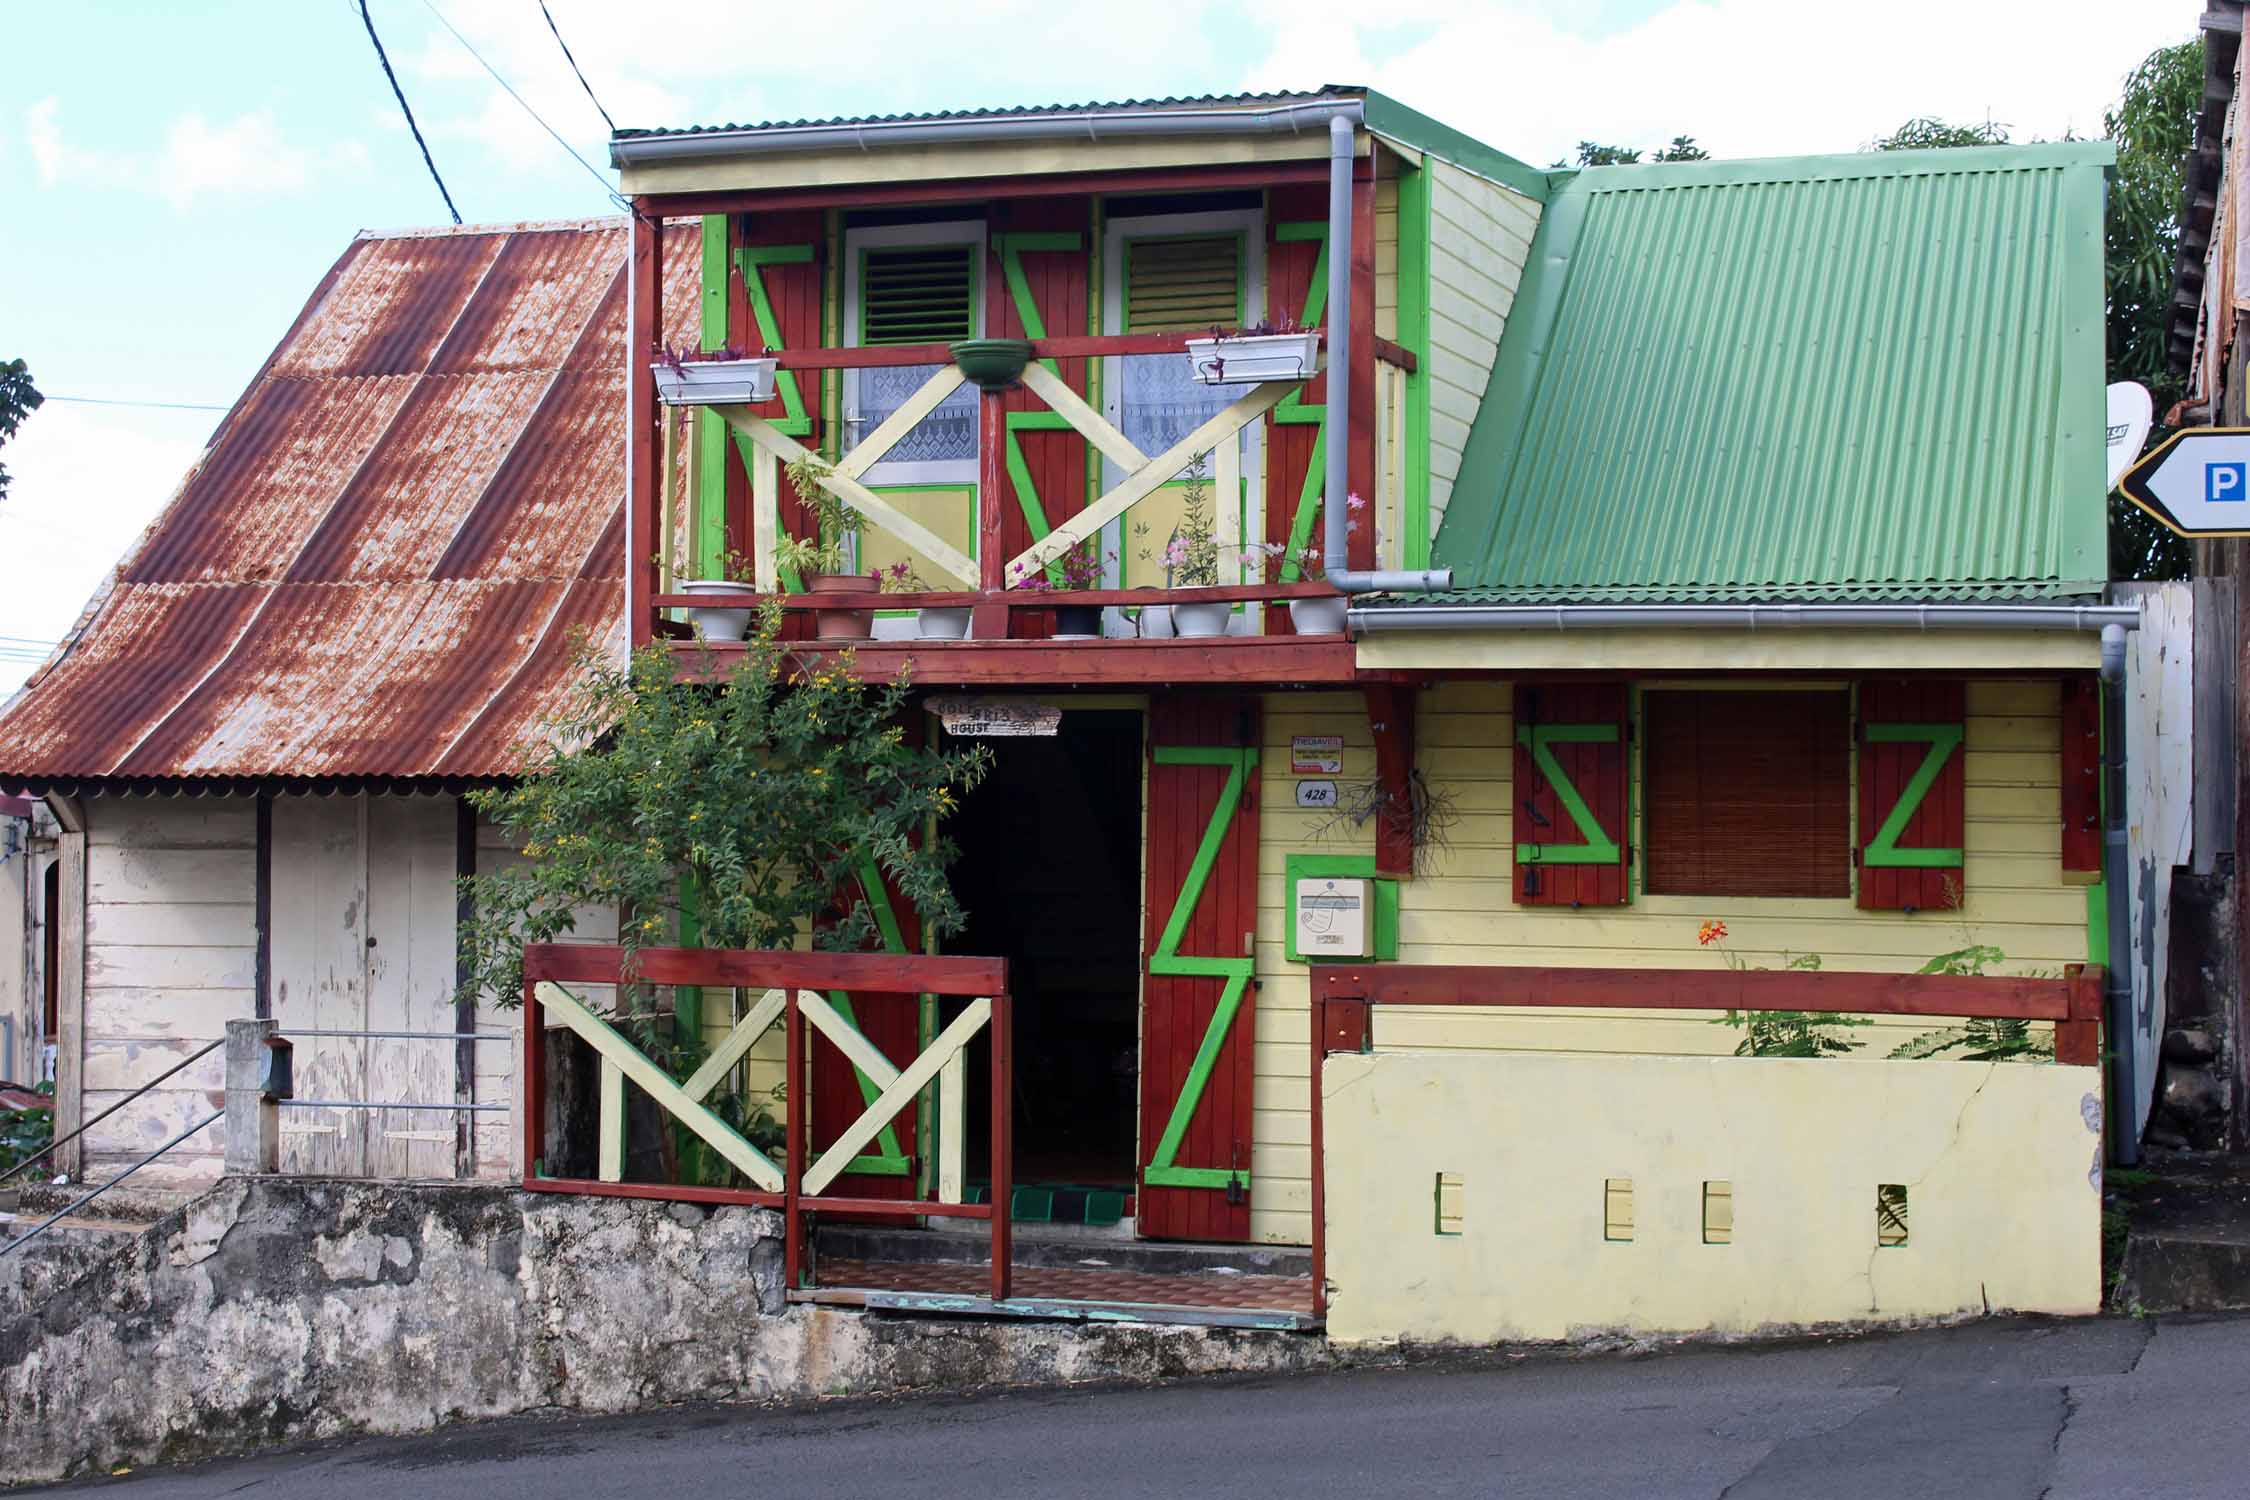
171,954
1480,237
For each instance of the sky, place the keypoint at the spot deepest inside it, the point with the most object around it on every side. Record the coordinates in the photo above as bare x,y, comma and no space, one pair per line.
175,178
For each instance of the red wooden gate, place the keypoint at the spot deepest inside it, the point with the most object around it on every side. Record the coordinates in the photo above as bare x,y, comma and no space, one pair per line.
1198,1004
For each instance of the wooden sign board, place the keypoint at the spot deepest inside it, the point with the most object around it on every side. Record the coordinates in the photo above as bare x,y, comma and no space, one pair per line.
994,718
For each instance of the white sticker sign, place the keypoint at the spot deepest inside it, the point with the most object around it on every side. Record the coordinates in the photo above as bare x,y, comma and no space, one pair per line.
1316,794
1316,754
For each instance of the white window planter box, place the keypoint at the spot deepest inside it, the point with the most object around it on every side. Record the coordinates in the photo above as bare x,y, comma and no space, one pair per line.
1242,357
728,382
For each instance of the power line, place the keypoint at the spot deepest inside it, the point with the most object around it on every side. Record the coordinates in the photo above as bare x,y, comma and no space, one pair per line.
117,401
582,83
607,190
400,94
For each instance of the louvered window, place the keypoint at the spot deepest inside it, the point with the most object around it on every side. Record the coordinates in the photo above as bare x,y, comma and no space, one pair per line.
916,294
1747,793
1177,284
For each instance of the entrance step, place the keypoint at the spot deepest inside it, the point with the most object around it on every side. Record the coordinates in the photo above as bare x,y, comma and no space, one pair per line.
2186,1233
1057,1246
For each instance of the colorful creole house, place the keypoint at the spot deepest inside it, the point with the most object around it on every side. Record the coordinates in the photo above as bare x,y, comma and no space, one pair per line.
1709,616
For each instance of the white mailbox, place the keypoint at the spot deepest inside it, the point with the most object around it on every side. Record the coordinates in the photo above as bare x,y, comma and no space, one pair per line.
1332,918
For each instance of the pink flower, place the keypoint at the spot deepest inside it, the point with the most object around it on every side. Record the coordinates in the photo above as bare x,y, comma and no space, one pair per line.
1354,502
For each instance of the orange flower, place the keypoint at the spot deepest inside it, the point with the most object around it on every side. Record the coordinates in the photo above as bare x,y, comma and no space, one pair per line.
1710,932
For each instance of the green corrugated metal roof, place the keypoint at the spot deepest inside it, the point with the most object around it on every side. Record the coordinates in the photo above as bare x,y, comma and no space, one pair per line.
1821,377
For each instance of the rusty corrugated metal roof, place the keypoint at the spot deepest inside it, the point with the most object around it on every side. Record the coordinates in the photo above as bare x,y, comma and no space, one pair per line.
376,567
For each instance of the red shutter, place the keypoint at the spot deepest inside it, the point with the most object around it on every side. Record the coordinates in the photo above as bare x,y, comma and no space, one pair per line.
1907,726
1582,729
1059,286
2082,775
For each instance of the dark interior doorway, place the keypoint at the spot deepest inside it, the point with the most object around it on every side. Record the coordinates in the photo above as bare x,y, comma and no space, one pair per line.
1049,875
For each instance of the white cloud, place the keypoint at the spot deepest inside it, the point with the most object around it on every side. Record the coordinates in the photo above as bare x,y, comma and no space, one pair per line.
247,154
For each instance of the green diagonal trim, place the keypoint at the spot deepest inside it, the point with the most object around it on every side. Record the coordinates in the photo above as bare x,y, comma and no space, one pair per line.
891,1162
1162,1170
1293,408
1883,851
1012,248
752,259
1599,848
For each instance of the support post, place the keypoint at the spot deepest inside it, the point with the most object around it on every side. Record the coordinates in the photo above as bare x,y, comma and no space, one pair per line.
534,1085
644,335
1390,714
253,1121
2078,1041
1003,1144
69,917
793,1169
990,621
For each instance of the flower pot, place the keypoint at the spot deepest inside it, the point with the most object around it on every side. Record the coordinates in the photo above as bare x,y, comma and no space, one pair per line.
716,382
1323,615
1156,622
1078,622
1255,356
842,624
991,364
932,623
716,624
1203,618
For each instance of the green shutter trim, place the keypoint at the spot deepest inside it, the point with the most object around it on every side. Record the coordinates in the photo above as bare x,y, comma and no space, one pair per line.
1012,248
707,528
1293,411
2097,924
753,259
1883,851
1414,333
1296,867
1599,848
1163,1169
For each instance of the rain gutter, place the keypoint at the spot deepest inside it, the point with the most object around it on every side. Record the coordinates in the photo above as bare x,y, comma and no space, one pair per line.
1925,617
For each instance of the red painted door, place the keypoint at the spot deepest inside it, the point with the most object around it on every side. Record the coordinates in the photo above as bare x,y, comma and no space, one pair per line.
841,1092
1197,998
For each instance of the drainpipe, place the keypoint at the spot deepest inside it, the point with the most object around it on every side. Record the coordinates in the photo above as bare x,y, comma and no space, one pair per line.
1336,482
2124,1089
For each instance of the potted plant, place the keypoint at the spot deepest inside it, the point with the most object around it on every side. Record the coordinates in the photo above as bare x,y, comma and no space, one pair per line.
991,364
1321,614
1263,351
721,624
932,622
1191,560
1081,568
821,560
714,377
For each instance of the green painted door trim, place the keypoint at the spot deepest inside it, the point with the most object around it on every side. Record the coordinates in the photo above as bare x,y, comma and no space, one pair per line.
707,528
753,259
1414,334
1163,1169
1599,848
1883,852
1296,867
890,1161
1293,411
1012,248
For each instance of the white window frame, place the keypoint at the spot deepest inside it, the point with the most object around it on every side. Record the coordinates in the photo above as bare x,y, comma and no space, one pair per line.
856,243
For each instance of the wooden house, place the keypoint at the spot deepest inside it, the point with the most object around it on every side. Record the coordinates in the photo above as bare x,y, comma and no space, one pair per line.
1724,544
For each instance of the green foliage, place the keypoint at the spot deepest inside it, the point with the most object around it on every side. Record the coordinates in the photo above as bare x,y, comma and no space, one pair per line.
24,1133
1924,133
771,788
18,399
1594,154
836,525
1977,1040
1791,1033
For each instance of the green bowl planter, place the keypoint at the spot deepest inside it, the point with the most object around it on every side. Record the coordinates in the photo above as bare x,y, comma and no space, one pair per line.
992,364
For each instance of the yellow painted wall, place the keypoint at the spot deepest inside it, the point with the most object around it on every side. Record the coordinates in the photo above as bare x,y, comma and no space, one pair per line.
2001,1162
1463,912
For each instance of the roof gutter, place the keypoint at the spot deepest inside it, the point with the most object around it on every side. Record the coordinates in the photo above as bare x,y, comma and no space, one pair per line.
1924,617
1295,118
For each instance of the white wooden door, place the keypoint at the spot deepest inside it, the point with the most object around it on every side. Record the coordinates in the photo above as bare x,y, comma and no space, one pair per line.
318,971
410,970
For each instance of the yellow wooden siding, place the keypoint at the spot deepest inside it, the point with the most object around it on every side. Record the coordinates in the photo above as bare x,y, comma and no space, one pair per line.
1480,237
1464,913
1386,258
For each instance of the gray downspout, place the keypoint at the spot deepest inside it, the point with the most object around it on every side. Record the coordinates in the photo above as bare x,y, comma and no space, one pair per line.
2124,1111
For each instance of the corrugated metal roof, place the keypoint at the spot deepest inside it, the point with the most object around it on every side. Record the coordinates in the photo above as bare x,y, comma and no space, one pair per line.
1824,377
1010,112
376,567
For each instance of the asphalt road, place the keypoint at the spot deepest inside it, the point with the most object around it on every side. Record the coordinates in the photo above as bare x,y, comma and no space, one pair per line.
2054,1410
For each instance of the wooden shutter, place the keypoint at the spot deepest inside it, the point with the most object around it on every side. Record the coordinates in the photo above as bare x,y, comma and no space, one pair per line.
1571,795
1912,794
917,294
1189,283
2082,776
1747,793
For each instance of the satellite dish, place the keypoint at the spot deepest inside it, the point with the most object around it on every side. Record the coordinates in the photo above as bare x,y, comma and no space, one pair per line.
2130,413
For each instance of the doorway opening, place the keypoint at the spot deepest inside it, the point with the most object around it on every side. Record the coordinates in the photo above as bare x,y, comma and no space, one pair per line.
1049,875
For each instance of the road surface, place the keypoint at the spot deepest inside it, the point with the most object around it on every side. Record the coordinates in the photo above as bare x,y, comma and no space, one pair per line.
2055,1410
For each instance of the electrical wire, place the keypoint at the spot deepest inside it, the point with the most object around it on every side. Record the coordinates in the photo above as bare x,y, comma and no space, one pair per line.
400,94
591,171
582,83
117,401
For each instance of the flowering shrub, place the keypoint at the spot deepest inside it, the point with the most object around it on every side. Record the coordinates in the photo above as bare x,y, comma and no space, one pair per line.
1079,568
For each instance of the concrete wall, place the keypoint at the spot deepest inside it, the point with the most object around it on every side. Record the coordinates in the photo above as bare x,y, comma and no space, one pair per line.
275,1310
2001,1162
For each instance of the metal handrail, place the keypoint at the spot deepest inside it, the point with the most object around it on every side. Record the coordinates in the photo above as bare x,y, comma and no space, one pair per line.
113,1109
63,1213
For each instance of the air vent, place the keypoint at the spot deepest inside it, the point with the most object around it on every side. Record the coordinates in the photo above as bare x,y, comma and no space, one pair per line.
918,295
1174,285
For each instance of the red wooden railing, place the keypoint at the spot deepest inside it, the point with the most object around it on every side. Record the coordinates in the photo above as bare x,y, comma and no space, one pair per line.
1344,997
869,974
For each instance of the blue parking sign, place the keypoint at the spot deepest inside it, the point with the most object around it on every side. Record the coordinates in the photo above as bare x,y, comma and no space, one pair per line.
2226,481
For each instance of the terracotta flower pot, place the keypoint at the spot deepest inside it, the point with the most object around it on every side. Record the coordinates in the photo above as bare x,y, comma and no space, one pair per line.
842,624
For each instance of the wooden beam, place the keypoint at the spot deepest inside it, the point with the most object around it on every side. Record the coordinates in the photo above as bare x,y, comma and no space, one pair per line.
926,398
643,452
1390,714
879,973
897,1096
983,189
1084,420
859,497
2078,1040
1279,661
739,1041
992,490
1698,989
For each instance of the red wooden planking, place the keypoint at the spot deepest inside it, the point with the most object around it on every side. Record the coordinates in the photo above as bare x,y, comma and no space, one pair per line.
1999,997
1599,771
600,963
2082,773
1360,469
1289,445
1282,661
640,414
1885,771
889,1017
1390,713
1060,285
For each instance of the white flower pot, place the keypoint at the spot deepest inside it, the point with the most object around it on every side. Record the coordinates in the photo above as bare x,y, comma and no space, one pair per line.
728,382
1203,618
1156,622
1318,616
716,624
1255,356
942,624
